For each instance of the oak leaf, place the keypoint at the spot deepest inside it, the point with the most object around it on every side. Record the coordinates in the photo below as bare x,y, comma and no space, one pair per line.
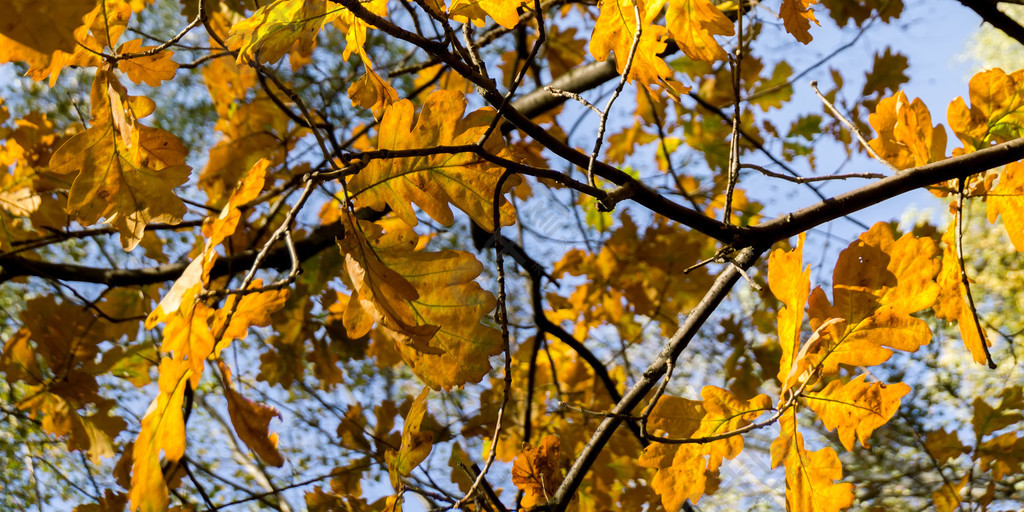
810,476
162,431
433,181
1007,200
502,11
797,17
126,172
790,284
996,113
416,444
952,304
906,137
877,284
151,69
943,445
693,25
536,472
251,421
273,29
683,469
856,408
615,31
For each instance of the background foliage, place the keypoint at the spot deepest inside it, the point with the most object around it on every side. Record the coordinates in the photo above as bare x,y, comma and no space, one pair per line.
251,257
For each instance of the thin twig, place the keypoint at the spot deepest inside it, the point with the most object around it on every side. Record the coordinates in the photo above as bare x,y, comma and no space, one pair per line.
982,339
852,127
766,172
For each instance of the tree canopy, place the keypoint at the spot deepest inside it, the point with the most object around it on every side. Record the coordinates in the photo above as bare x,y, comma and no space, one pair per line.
501,255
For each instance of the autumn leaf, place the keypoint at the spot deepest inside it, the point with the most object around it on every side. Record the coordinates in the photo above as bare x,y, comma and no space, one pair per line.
1007,200
683,469
152,69
877,284
273,29
693,25
996,113
797,16
163,431
44,26
501,11
372,92
615,31
906,137
536,472
433,181
251,421
790,284
810,476
416,444
126,172
952,305
856,408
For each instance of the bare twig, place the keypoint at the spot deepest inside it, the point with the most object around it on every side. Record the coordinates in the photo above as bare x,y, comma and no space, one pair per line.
852,127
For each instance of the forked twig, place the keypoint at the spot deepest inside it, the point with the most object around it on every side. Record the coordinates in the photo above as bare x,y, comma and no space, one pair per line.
852,127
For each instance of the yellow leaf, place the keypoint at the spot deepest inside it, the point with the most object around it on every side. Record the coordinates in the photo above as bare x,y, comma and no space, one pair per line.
218,229
272,30
252,310
43,26
614,32
252,421
810,476
433,181
187,335
381,292
947,498
797,17
126,172
790,284
944,445
952,304
1007,199
536,472
372,92
683,469
856,408
502,11
694,23
151,69
163,430
877,284
906,137
996,113
416,444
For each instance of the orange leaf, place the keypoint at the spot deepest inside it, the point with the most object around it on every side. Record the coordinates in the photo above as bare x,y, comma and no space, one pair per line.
372,92
536,472
877,284
44,26
614,32
694,23
906,137
432,182
252,421
944,445
151,69
856,408
797,17
416,445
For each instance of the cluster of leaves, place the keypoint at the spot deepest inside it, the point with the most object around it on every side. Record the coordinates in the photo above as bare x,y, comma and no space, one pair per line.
323,247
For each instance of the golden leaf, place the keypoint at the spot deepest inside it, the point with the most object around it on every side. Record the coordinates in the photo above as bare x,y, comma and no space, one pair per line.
810,476
416,444
151,69
856,408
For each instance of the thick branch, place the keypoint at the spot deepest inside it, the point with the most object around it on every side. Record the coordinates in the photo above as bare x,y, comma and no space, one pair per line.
844,204
16,266
989,11
650,378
